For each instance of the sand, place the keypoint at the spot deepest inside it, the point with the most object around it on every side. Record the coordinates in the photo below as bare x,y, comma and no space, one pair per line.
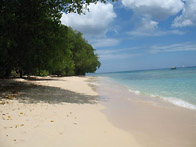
152,121
56,112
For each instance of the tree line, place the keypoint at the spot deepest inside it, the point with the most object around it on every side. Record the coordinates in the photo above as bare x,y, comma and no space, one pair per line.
34,42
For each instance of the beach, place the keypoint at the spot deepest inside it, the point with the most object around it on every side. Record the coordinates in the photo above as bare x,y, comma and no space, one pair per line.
53,111
152,121
86,112
98,73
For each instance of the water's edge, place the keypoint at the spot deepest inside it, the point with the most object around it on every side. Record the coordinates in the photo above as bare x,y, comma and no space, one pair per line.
172,100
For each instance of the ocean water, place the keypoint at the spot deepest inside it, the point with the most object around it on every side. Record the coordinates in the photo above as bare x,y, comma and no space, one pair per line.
175,86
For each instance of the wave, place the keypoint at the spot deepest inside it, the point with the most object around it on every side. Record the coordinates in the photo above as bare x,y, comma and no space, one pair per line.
180,103
135,91
175,101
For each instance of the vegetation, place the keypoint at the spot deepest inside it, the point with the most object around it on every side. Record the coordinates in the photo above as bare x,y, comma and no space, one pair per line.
34,42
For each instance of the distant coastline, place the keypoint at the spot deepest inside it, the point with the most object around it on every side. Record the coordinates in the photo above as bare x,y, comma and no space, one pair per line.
138,70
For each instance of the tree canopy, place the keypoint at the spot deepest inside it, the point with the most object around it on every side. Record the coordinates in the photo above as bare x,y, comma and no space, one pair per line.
34,41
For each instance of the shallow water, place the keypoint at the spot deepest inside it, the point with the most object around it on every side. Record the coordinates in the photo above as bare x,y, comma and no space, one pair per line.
175,86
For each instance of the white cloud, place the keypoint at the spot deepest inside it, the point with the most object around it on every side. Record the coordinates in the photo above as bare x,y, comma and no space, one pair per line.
187,46
157,32
148,27
156,9
103,42
149,13
148,24
188,17
93,23
117,54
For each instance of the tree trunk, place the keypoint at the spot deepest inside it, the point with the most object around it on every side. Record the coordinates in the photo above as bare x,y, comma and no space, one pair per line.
7,73
21,73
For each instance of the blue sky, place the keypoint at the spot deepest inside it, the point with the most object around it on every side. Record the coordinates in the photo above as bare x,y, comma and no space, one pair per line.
139,34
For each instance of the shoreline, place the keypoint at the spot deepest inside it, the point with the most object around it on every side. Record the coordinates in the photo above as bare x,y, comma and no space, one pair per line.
171,100
153,122
56,112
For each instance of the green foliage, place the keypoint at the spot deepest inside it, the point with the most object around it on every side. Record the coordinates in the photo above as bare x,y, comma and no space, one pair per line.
77,6
84,58
13,73
44,73
34,41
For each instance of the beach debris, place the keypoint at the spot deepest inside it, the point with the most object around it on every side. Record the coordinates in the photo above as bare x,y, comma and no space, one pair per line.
2,102
9,118
70,112
52,121
16,126
75,123
21,112
3,114
14,139
22,125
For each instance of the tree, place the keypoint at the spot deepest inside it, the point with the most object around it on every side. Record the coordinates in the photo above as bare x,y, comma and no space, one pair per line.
62,62
32,40
84,58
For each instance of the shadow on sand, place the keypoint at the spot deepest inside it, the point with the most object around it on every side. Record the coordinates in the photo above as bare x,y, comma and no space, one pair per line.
30,93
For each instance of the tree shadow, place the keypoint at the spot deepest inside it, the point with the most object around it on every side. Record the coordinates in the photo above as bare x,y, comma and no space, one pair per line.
30,93
41,79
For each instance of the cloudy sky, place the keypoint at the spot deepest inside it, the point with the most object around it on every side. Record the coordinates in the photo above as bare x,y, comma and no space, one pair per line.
139,34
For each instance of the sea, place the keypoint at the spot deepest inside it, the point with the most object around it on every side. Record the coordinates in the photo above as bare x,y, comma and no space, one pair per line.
176,86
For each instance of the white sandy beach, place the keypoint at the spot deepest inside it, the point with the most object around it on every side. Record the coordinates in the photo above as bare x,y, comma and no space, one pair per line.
58,112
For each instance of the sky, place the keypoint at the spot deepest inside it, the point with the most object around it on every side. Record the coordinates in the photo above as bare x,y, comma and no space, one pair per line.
139,34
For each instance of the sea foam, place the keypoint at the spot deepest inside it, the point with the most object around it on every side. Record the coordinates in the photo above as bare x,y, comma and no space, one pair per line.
175,101
180,103
134,91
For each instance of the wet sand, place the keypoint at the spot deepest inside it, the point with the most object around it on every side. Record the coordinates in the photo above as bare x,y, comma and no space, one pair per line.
152,121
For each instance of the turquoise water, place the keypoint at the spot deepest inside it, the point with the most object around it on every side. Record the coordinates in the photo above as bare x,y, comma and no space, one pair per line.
176,86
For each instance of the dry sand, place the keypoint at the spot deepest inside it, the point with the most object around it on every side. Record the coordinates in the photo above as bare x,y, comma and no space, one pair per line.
56,112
